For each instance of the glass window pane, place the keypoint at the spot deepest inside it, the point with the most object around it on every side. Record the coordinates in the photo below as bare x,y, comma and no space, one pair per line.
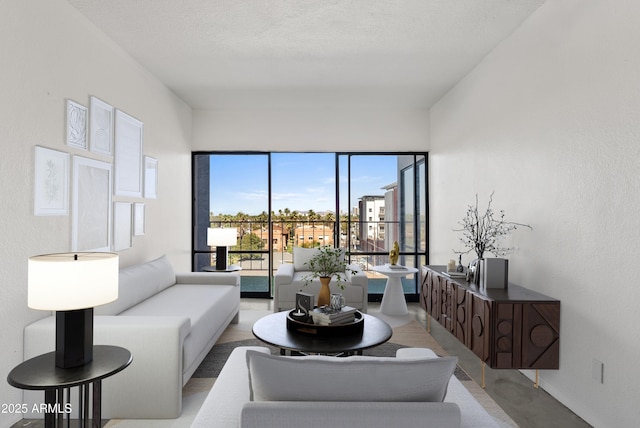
422,203
407,210
280,200
239,185
238,199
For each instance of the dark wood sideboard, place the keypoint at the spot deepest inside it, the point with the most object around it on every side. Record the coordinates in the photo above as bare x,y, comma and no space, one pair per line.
507,328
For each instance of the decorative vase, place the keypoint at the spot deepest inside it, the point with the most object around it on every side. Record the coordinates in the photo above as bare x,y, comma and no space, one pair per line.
324,297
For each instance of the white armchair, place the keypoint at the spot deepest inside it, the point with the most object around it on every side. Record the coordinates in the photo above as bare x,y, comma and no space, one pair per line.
290,278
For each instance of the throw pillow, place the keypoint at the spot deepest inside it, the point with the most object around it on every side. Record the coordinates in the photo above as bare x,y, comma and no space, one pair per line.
302,256
278,378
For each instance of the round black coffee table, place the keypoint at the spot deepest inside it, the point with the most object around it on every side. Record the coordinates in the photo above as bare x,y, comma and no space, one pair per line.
273,331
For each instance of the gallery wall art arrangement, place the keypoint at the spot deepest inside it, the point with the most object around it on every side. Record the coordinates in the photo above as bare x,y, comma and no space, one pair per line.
102,189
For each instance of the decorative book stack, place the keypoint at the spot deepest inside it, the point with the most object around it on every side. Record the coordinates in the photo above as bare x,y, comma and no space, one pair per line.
323,317
396,267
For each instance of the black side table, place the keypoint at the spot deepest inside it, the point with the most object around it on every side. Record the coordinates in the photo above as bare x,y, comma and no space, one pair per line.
41,373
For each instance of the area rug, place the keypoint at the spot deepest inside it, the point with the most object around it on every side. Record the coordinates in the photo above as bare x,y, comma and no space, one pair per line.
406,333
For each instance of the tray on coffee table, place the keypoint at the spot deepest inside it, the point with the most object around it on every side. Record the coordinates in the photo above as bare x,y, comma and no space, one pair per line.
335,330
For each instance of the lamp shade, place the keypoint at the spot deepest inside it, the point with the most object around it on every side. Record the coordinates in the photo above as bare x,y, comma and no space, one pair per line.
69,281
222,237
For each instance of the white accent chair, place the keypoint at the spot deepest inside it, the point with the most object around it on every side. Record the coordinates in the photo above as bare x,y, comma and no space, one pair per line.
290,278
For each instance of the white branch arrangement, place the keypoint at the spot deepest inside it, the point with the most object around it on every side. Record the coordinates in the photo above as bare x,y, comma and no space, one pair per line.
483,233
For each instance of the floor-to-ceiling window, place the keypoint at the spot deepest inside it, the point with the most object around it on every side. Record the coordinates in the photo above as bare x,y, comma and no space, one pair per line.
386,195
275,201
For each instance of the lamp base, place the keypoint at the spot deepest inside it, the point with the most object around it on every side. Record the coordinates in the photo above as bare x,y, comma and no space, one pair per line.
74,338
221,258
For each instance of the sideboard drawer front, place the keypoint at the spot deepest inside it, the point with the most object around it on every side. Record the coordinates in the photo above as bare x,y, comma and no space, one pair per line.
507,336
461,309
479,334
541,336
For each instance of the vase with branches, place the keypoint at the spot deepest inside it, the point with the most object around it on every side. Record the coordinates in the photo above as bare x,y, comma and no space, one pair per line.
484,232
327,263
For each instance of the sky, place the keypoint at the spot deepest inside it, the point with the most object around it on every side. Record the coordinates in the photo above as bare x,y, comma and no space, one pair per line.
300,181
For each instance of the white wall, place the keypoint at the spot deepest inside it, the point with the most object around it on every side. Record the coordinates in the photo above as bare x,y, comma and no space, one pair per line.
550,120
322,130
49,52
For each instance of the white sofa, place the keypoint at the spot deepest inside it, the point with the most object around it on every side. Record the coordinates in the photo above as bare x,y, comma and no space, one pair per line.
230,405
169,321
290,278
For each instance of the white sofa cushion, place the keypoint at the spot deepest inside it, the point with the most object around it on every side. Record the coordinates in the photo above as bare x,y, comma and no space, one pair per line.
302,256
287,414
204,305
139,282
318,378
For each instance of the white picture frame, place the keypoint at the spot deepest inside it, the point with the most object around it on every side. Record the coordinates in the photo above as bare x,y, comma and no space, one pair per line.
92,209
138,219
122,219
77,125
128,155
150,177
100,126
51,182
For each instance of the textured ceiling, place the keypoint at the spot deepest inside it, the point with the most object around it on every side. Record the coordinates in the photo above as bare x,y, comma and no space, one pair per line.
308,53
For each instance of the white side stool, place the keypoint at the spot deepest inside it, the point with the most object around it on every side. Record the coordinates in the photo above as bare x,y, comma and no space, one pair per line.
393,301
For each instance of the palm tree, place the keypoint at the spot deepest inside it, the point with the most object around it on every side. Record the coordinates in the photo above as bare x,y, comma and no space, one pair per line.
262,218
292,222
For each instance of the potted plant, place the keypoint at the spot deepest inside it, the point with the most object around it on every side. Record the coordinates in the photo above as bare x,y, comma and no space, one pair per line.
484,232
327,263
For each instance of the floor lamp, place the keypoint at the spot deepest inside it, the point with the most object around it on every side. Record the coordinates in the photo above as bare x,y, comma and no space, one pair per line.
221,238
72,284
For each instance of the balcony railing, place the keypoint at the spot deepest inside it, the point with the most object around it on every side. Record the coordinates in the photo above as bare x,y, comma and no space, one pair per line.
258,241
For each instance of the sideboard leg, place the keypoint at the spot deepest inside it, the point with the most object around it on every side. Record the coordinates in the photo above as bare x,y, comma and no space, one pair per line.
428,323
483,384
535,385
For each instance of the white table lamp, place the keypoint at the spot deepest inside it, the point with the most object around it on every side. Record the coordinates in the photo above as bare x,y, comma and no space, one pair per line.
221,238
72,284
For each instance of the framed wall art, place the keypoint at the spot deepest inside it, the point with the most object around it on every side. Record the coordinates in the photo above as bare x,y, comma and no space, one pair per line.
128,155
100,127
121,226
76,125
138,219
91,223
150,177
51,184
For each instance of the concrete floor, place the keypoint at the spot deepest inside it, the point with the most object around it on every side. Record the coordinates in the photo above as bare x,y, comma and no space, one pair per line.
511,390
